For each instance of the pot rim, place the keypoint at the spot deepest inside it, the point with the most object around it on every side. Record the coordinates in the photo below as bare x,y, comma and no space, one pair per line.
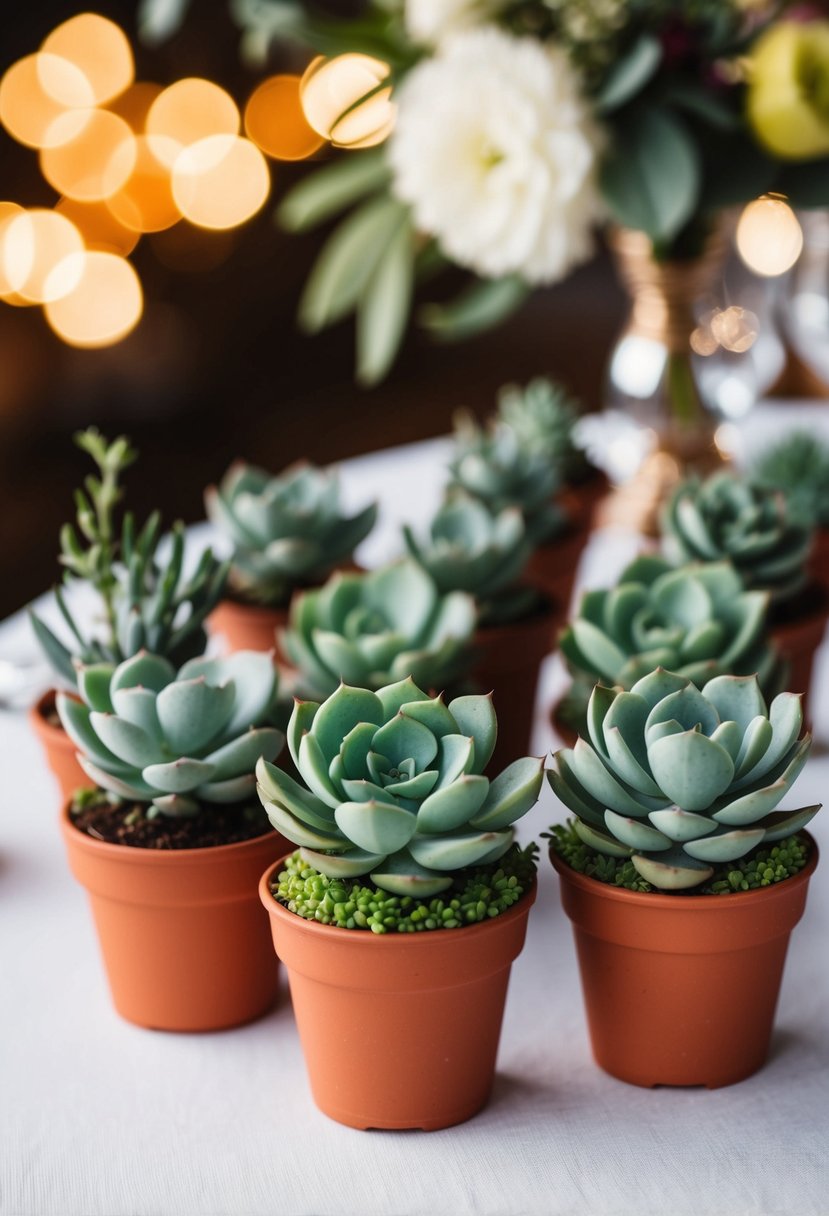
135,855
385,940
664,902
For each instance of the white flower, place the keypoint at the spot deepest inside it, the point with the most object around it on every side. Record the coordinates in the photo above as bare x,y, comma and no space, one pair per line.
429,22
496,152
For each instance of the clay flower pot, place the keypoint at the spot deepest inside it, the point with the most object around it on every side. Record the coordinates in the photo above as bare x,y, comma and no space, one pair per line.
248,626
400,1030
59,748
681,990
508,664
553,567
797,637
182,934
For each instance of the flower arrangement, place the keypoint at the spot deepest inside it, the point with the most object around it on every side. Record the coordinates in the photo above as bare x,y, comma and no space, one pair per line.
511,128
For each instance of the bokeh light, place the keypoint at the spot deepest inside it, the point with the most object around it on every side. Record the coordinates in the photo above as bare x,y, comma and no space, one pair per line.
221,181
769,237
8,211
134,104
32,245
38,91
189,111
276,122
99,49
96,162
330,87
105,304
98,226
145,201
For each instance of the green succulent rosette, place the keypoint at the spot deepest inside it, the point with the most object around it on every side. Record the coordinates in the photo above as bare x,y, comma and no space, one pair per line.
798,467
175,739
394,787
681,780
542,415
697,620
288,531
468,548
492,464
375,628
727,517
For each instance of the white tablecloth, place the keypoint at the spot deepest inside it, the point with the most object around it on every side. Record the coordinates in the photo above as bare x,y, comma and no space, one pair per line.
100,1117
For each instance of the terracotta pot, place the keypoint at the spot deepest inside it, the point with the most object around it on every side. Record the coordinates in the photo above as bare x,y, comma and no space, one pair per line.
508,664
798,637
248,626
400,1030
681,989
59,748
182,935
553,567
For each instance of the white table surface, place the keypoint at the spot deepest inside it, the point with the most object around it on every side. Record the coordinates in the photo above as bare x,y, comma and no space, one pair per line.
100,1118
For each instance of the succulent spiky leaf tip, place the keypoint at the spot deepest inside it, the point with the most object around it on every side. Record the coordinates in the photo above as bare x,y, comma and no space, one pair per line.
175,739
287,531
682,779
728,517
394,787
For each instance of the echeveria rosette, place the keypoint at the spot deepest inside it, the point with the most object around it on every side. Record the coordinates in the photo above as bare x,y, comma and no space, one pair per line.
697,620
287,531
682,780
375,628
492,464
798,466
728,517
470,549
175,739
542,414
394,787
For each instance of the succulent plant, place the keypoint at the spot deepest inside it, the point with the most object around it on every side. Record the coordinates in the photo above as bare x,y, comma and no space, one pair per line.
147,602
492,464
728,517
372,629
681,780
470,549
174,739
697,620
798,466
394,787
542,415
287,531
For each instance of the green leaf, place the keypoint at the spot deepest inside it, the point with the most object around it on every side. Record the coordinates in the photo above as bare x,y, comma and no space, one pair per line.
650,177
55,651
384,308
630,74
347,262
482,306
326,193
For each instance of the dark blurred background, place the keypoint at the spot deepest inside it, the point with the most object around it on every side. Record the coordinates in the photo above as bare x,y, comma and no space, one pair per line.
217,368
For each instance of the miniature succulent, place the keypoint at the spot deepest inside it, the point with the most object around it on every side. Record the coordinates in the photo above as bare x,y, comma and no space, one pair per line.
394,787
798,466
287,531
147,602
681,780
470,549
542,415
697,620
174,739
728,517
492,464
372,629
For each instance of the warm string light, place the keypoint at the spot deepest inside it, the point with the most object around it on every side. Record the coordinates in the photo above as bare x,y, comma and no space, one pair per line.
769,237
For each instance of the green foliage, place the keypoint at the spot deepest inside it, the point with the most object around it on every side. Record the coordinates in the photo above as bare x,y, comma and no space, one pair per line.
174,739
681,780
474,896
287,531
543,414
763,867
727,517
372,629
146,603
482,305
394,787
798,466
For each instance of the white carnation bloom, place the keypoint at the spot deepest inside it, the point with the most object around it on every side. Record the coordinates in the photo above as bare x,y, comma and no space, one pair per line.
428,22
496,152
